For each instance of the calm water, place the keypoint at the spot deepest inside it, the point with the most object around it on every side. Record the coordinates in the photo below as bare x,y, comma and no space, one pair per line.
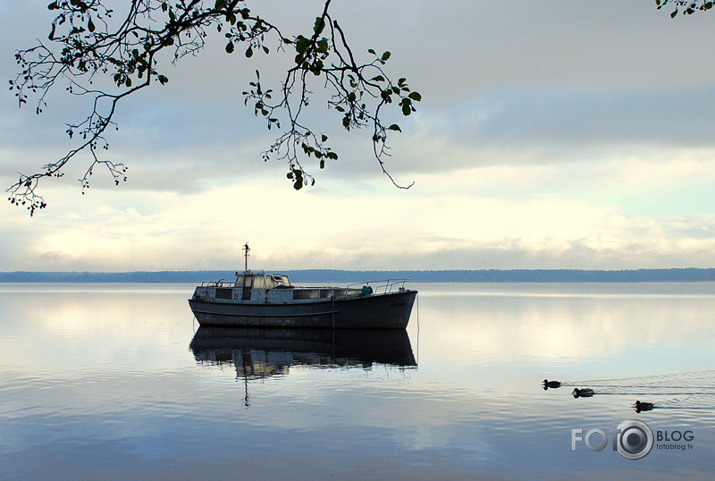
116,381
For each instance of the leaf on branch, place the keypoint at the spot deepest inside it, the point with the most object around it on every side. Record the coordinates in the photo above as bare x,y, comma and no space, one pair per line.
406,106
319,25
301,44
323,45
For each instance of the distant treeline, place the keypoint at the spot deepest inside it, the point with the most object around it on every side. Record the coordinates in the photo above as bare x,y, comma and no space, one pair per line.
328,275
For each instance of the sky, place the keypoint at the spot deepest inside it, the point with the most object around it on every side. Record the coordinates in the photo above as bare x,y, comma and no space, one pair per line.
550,135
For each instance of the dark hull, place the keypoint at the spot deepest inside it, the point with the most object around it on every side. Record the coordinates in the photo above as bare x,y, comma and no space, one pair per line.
379,311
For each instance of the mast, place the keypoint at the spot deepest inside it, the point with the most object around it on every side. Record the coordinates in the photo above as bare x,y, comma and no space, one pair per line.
246,249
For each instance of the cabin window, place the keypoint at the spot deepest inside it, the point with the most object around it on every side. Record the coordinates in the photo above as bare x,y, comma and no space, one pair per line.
306,294
239,281
223,293
270,284
259,282
247,282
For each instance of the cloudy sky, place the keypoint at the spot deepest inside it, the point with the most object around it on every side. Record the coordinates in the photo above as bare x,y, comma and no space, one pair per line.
551,134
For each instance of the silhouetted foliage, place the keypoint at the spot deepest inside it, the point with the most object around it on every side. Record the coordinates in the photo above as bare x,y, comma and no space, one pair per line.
688,7
88,42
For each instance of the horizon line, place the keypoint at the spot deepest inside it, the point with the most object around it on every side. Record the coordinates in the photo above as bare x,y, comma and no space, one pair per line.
331,269
687,274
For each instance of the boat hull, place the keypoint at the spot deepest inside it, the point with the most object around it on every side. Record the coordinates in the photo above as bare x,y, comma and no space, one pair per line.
380,311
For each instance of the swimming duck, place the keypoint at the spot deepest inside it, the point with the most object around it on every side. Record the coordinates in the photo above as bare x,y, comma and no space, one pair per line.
585,392
551,384
642,406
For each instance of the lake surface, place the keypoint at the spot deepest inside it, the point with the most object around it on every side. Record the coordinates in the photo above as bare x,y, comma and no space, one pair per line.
116,381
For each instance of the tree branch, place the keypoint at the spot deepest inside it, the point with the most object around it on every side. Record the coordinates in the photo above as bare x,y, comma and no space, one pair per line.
84,47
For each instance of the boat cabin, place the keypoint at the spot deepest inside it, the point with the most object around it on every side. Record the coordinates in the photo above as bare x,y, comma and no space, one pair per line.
269,288
257,286
261,280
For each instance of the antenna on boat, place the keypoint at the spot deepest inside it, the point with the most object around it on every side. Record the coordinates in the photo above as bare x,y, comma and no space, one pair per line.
246,249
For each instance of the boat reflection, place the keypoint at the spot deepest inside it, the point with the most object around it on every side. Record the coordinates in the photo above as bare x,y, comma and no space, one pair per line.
259,353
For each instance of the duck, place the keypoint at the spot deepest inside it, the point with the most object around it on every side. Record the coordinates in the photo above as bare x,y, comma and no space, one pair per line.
551,384
585,392
642,406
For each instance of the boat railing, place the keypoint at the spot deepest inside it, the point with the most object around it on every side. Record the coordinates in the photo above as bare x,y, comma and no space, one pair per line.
220,283
384,286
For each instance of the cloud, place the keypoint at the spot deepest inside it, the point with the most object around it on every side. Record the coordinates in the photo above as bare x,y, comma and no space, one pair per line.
549,136
116,230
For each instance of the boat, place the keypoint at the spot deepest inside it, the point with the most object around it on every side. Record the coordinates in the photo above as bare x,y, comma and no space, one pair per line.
260,299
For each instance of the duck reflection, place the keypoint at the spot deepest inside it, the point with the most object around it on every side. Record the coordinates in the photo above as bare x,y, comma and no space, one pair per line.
259,353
